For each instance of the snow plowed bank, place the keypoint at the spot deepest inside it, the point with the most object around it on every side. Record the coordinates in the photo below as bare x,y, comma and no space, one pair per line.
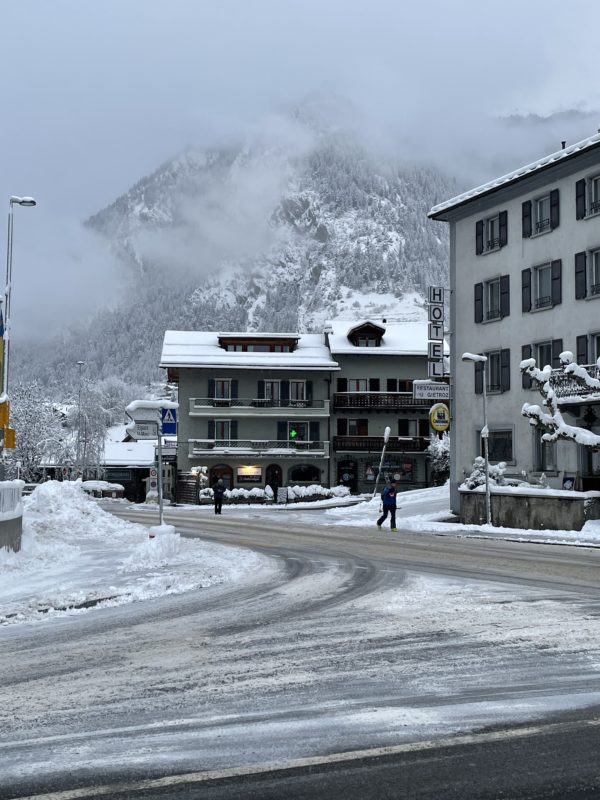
75,556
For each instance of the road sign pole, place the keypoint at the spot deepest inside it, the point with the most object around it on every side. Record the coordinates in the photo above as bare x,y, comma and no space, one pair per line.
160,471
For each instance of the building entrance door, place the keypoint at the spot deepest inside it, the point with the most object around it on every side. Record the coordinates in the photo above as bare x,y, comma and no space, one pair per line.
221,471
274,477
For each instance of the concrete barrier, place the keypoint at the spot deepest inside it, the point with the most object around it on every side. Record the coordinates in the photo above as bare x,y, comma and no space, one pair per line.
11,514
532,509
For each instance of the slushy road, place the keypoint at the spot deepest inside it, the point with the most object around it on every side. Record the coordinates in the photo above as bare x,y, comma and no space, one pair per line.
406,666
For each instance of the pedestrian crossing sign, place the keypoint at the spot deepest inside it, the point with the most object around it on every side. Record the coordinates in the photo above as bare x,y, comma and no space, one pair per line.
169,421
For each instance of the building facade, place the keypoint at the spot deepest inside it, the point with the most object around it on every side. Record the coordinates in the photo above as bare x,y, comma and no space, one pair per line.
373,390
285,409
525,278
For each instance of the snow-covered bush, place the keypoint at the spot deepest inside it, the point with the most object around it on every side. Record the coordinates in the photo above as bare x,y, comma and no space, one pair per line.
438,455
315,492
266,495
477,476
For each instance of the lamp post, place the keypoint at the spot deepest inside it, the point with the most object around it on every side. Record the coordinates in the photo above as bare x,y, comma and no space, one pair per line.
477,359
80,364
13,201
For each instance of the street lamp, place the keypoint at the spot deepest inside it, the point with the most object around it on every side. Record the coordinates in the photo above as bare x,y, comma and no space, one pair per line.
80,364
13,201
477,359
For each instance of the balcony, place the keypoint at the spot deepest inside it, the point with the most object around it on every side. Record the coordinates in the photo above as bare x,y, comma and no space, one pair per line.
568,390
257,448
374,444
251,407
378,401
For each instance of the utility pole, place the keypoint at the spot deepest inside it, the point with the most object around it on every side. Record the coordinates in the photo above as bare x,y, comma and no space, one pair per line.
80,364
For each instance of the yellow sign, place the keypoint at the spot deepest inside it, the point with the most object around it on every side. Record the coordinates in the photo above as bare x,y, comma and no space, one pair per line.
10,438
4,414
439,417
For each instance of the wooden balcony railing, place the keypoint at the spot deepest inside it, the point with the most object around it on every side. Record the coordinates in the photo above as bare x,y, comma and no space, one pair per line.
373,444
388,401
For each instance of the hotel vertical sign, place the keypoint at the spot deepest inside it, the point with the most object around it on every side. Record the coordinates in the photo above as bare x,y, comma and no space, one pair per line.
435,345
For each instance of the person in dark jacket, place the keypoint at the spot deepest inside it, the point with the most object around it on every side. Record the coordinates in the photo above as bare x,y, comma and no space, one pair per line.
218,492
389,506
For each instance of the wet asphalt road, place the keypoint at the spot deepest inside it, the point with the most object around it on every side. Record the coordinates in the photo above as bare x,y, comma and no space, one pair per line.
285,673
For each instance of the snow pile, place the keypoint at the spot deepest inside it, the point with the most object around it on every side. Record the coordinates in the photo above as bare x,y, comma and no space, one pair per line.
75,556
295,492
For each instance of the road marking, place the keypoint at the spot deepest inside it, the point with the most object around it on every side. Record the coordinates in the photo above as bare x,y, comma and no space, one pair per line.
302,763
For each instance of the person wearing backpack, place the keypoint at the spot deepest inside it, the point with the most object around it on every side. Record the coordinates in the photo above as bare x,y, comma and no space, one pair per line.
389,506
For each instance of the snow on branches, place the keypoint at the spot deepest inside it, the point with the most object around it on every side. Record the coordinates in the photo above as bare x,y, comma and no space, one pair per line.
552,419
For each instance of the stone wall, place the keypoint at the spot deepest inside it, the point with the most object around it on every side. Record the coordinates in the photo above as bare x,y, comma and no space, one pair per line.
538,510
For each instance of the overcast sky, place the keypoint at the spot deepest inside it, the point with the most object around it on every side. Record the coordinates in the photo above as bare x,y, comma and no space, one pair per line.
97,93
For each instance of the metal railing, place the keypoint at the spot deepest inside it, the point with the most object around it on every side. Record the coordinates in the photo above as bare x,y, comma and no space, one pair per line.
565,386
543,302
251,402
396,444
542,225
493,244
595,288
380,400
256,447
493,313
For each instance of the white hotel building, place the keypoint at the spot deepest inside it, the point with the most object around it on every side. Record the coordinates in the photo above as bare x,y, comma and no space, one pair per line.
525,282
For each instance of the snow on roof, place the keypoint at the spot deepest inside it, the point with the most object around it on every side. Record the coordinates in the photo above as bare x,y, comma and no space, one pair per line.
201,349
518,174
400,338
129,454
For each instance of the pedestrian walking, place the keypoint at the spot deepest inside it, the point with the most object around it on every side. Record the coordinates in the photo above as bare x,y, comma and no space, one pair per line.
218,492
389,506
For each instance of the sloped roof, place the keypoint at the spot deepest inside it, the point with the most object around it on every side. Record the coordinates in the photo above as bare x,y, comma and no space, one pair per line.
201,349
441,209
399,338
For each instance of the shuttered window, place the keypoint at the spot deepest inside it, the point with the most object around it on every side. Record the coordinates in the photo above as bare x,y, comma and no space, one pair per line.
526,218
580,275
580,199
525,354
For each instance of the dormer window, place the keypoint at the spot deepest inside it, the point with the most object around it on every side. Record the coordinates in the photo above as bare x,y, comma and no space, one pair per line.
367,334
253,344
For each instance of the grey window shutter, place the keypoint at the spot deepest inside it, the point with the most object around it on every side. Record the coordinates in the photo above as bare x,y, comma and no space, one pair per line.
374,384
342,426
211,388
234,389
309,390
314,431
423,427
342,384
526,290
503,227
402,427
580,275
233,429
479,237
282,431
261,390
504,370
478,377
556,282
392,385
557,348
525,354
479,302
582,349
211,429
526,218
554,209
505,296
284,388
580,199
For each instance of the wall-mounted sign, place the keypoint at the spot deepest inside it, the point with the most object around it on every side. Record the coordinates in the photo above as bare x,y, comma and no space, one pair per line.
249,474
430,390
435,331
439,416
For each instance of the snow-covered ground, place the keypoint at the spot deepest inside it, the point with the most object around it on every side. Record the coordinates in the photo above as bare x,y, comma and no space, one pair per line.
75,555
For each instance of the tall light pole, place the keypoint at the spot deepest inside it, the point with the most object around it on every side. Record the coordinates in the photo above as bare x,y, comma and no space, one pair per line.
6,333
80,364
477,359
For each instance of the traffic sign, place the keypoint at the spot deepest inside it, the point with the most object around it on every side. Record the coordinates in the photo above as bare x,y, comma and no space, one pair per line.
169,421
144,430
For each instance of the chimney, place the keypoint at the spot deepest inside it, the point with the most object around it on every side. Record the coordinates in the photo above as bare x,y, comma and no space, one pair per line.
563,145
